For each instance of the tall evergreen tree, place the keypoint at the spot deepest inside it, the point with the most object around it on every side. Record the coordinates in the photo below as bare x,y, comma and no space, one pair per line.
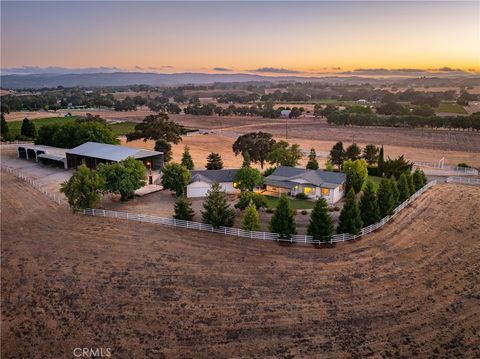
214,162
350,220
217,211
312,163
4,127
251,219
403,188
28,128
283,221
369,206
337,154
321,225
381,162
395,192
411,185
370,154
386,201
187,160
163,146
183,209
419,179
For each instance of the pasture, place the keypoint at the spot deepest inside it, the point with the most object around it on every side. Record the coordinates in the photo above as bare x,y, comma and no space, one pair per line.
150,291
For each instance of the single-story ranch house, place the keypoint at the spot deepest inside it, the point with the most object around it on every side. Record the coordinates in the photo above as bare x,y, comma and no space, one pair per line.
90,153
313,183
201,181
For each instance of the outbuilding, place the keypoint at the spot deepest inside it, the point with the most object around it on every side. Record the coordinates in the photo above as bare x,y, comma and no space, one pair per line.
201,181
92,154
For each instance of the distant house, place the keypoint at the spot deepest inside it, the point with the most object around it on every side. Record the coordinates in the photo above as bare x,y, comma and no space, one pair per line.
201,181
313,183
285,113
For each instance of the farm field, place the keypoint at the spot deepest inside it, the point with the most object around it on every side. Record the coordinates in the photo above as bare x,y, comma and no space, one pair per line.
151,291
450,108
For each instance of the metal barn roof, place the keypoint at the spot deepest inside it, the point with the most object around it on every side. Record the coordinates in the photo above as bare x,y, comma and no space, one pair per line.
110,152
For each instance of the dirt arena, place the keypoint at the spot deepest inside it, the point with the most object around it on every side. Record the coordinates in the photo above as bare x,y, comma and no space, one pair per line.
411,289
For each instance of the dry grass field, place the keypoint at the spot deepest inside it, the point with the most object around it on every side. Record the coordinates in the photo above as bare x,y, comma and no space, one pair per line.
147,291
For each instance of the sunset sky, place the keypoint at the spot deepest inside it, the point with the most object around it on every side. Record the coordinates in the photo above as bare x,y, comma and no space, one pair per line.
275,37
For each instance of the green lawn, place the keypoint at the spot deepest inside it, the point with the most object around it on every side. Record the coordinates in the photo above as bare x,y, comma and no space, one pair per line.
122,128
450,107
15,126
295,203
374,180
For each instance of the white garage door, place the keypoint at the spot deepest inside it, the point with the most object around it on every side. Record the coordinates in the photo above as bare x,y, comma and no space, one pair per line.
197,191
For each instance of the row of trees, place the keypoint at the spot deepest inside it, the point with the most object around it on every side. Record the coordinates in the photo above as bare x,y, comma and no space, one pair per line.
344,118
85,187
73,134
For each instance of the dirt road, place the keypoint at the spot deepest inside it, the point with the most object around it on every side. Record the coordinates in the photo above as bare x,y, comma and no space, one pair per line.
144,290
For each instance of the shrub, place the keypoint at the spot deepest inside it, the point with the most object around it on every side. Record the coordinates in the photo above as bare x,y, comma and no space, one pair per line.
247,196
270,210
301,195
251,219
304,212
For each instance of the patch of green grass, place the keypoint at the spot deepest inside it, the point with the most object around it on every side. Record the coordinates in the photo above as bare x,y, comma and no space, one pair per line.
450,107
14,127
374,180
122,128
294,203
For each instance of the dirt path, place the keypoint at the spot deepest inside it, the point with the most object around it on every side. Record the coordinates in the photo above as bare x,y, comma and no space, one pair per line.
150,291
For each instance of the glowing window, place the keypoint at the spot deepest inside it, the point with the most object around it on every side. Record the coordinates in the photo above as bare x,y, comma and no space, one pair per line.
307,190
325,191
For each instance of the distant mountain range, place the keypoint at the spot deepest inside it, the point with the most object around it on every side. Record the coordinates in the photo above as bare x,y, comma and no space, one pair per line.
52,80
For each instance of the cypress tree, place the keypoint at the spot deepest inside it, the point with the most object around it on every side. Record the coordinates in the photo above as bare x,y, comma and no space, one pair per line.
381,162
312,163
350,220
403,188
214,162
369,206
337,154
4,126
28,128
411,185
251,219
386,201
283,221
183,209
395,192
187,160
321,225
217,210
419,179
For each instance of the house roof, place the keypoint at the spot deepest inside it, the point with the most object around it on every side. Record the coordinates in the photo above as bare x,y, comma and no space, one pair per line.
286,176
211,176
110,152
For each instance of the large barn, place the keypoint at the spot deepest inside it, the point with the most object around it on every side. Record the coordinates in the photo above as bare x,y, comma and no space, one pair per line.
90,154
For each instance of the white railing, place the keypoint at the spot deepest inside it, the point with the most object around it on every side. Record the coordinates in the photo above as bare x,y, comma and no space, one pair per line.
167,221
463,180
251,234
440,169
56,197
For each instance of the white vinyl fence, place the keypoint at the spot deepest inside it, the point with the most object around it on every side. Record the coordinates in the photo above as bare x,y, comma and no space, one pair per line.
56,197
250,234
306,239
463,180
442,170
